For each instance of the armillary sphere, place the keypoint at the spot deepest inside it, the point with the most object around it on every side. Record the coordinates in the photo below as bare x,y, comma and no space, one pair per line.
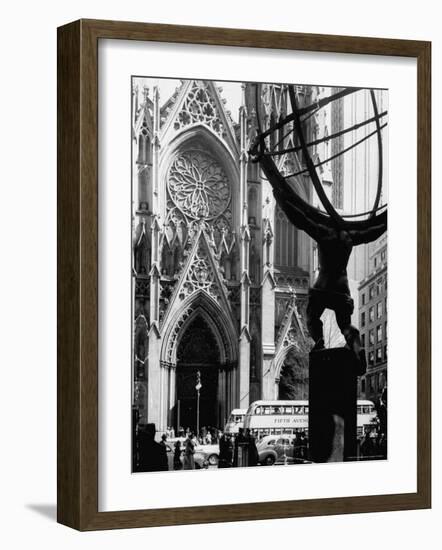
294,123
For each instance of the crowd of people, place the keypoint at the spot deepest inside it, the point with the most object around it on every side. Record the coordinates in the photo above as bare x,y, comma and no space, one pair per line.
373,445
151,456
236,450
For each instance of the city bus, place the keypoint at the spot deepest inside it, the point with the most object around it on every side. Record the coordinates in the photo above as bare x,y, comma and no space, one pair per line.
289,417
235,421
366,415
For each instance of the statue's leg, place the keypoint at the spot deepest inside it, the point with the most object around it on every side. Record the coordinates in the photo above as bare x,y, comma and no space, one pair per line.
315,308
352,337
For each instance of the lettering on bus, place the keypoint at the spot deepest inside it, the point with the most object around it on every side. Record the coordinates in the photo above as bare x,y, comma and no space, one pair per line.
288,420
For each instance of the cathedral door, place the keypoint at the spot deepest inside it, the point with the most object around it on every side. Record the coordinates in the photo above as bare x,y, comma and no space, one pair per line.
197,351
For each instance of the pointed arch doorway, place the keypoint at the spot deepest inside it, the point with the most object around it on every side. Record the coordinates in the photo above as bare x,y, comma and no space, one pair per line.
198,351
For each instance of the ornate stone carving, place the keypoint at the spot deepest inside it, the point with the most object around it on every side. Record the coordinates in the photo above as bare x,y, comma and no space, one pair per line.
201,276
198,185
142,287
199,107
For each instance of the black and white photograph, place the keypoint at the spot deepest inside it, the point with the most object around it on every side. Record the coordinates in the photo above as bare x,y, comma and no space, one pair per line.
259,274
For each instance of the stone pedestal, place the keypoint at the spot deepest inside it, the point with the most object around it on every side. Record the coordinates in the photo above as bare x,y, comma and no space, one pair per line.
332,405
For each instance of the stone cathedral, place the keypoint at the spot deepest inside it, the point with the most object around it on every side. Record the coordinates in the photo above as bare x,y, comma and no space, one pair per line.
220,277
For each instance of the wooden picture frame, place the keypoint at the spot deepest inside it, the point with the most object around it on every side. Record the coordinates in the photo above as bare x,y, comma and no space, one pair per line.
78,274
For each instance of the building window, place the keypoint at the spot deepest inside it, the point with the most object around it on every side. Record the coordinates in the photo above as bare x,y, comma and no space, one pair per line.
378,355
363,298
362,386
385,330
385,353
383,255
371,292
379,333
379,310
371,362
371,314
363,340
371,337
378,287
363,319
375,262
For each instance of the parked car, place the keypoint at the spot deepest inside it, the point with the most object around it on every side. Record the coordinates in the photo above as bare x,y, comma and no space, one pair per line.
278,449
206,455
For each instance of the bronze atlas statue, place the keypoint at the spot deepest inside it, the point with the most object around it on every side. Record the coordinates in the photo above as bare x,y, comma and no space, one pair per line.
335,235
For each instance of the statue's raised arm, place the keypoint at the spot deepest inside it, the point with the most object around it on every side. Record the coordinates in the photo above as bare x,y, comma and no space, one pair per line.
370,234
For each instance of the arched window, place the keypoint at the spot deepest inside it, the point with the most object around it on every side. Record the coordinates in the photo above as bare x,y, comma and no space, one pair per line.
286,241
144,149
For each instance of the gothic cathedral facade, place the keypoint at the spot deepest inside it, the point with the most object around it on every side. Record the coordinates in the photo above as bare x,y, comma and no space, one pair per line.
220,277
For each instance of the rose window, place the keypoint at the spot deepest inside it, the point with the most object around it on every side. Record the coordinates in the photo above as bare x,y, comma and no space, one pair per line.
198,185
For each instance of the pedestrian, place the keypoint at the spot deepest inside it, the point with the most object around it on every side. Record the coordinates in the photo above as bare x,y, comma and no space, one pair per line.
153,457
382,446
189,451
240,449
163,441
253,451
297,446
225,451
208,438
367,446
177,464
303,445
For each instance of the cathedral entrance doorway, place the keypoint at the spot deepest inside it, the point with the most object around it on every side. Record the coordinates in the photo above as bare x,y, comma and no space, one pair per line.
197,352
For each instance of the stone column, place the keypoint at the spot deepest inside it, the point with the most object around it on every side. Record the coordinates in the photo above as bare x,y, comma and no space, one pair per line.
153,379
172,396
268,335
222,396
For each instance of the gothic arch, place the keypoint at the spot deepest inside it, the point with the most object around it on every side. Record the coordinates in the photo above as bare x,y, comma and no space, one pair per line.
295,379
281,357
200,304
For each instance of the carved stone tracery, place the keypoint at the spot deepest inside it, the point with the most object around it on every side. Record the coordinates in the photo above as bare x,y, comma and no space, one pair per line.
198,185
201,276
199,107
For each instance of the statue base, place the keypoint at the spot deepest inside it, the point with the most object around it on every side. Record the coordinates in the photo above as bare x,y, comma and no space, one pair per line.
332,405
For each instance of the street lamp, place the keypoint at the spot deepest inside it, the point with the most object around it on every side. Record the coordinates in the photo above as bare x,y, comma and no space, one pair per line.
198,387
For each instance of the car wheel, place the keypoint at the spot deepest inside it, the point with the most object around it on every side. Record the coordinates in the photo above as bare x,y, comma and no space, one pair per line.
213,460
269,460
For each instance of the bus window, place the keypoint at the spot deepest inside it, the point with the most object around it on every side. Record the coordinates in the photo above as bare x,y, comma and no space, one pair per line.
258,410
288,410
306,409
277,410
